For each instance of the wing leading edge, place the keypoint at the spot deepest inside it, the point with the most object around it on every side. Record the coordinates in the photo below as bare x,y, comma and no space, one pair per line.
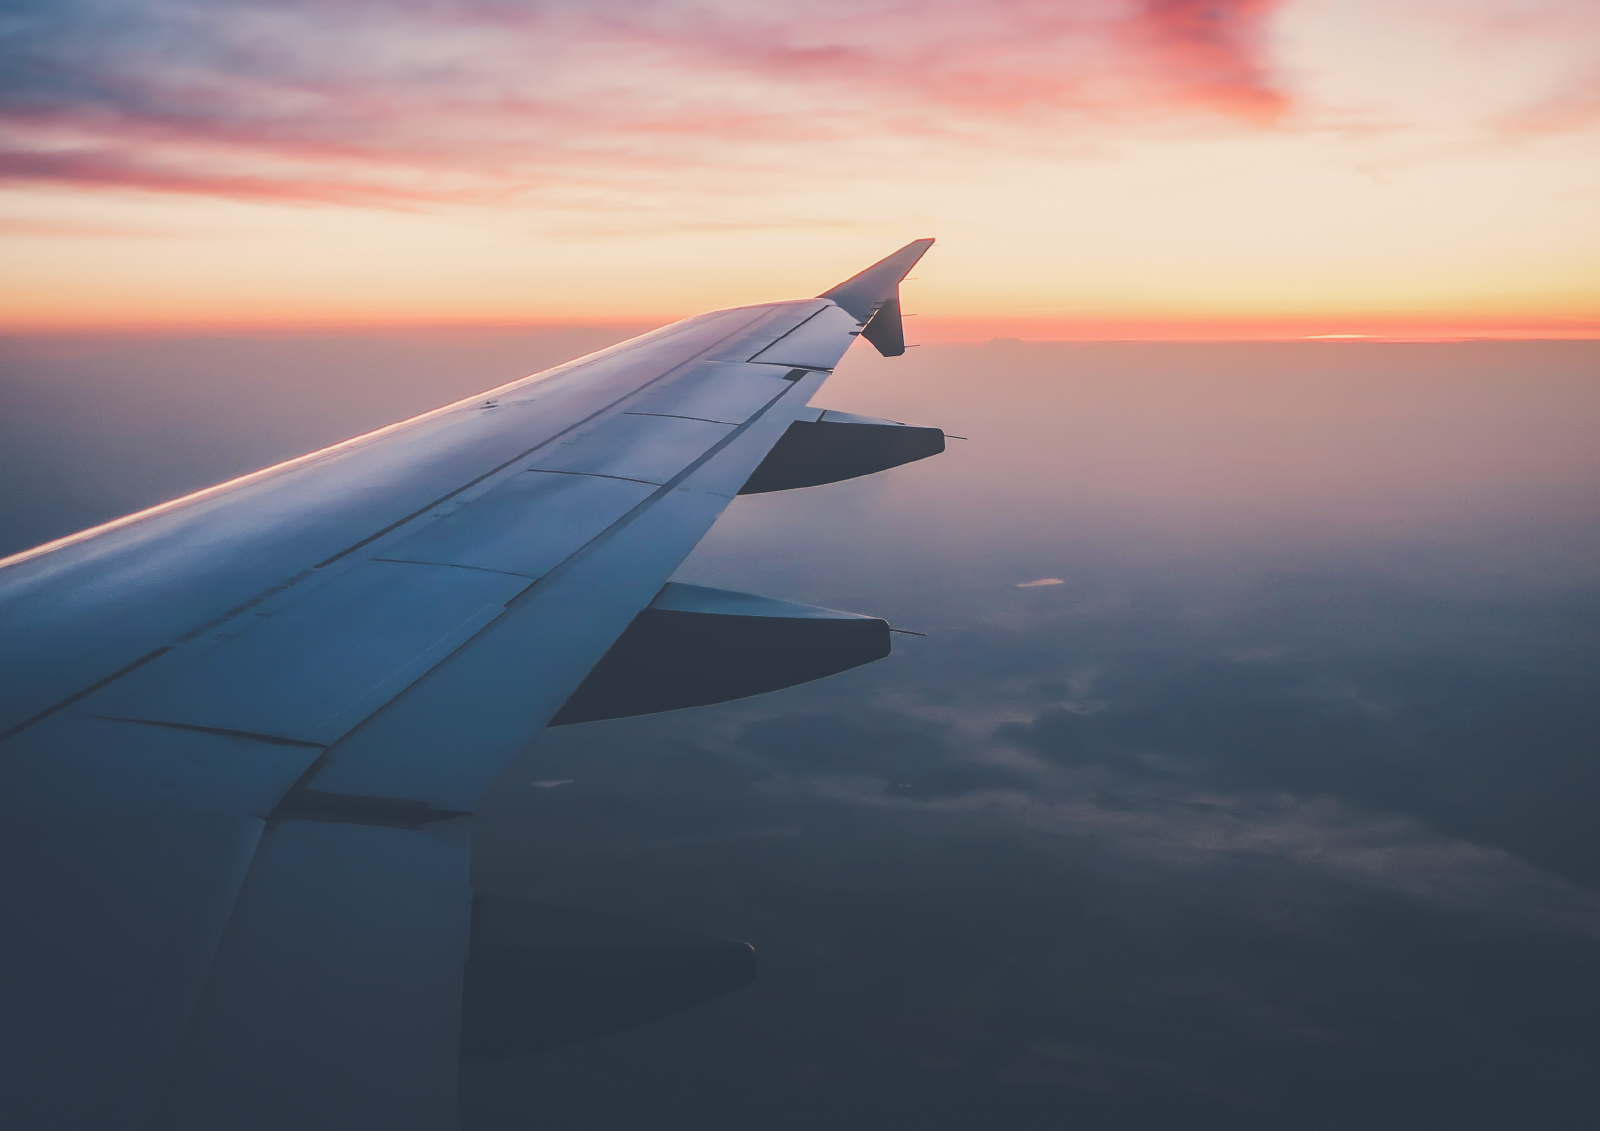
243,732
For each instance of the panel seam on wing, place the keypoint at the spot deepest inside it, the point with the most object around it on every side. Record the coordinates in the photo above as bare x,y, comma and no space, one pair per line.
681,416
457,565
567,564
291,583
542,444
793,329
595,474
97,685
254,736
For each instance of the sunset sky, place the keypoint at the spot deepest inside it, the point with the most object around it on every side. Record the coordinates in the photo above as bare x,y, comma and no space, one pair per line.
1091,168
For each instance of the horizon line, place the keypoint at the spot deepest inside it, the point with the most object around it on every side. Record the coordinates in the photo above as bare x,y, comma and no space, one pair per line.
932,328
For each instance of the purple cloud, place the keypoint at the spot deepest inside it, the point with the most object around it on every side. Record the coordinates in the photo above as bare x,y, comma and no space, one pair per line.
417,102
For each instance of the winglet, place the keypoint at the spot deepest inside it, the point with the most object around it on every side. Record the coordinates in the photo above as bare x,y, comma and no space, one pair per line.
873,297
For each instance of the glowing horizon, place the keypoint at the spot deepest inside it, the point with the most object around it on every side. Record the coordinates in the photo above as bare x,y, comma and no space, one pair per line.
1100,169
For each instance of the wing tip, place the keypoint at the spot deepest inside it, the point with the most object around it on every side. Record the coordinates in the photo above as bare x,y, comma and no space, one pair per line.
867,290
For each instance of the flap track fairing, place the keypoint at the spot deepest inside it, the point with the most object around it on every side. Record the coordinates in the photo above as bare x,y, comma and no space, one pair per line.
695,645
837,446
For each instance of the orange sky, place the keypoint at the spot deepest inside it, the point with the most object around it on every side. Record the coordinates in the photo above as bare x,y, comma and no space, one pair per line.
1102,168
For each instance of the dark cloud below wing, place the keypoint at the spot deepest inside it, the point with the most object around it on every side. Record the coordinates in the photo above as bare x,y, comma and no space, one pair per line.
1287,833
1275,814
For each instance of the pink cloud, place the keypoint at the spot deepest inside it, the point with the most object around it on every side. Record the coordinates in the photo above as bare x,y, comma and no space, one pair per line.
1215,53
327,101
1556,42
127,167
1574,105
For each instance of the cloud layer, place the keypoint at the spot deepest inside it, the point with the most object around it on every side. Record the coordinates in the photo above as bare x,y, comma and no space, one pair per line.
1277,815
475,99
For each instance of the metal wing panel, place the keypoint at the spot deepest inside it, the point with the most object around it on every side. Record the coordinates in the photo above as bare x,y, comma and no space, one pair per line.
817,343
516,673
649,449
741,345
312,651
71,765
290,618
498,532
314,660
512,677
313,668
82,609
730,392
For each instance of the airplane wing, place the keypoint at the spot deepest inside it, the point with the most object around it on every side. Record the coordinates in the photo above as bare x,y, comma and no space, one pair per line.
242,733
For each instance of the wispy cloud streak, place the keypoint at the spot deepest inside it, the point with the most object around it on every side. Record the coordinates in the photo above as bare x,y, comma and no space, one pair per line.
417,101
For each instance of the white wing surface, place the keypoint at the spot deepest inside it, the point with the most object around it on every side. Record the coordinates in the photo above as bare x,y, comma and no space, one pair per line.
242,733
